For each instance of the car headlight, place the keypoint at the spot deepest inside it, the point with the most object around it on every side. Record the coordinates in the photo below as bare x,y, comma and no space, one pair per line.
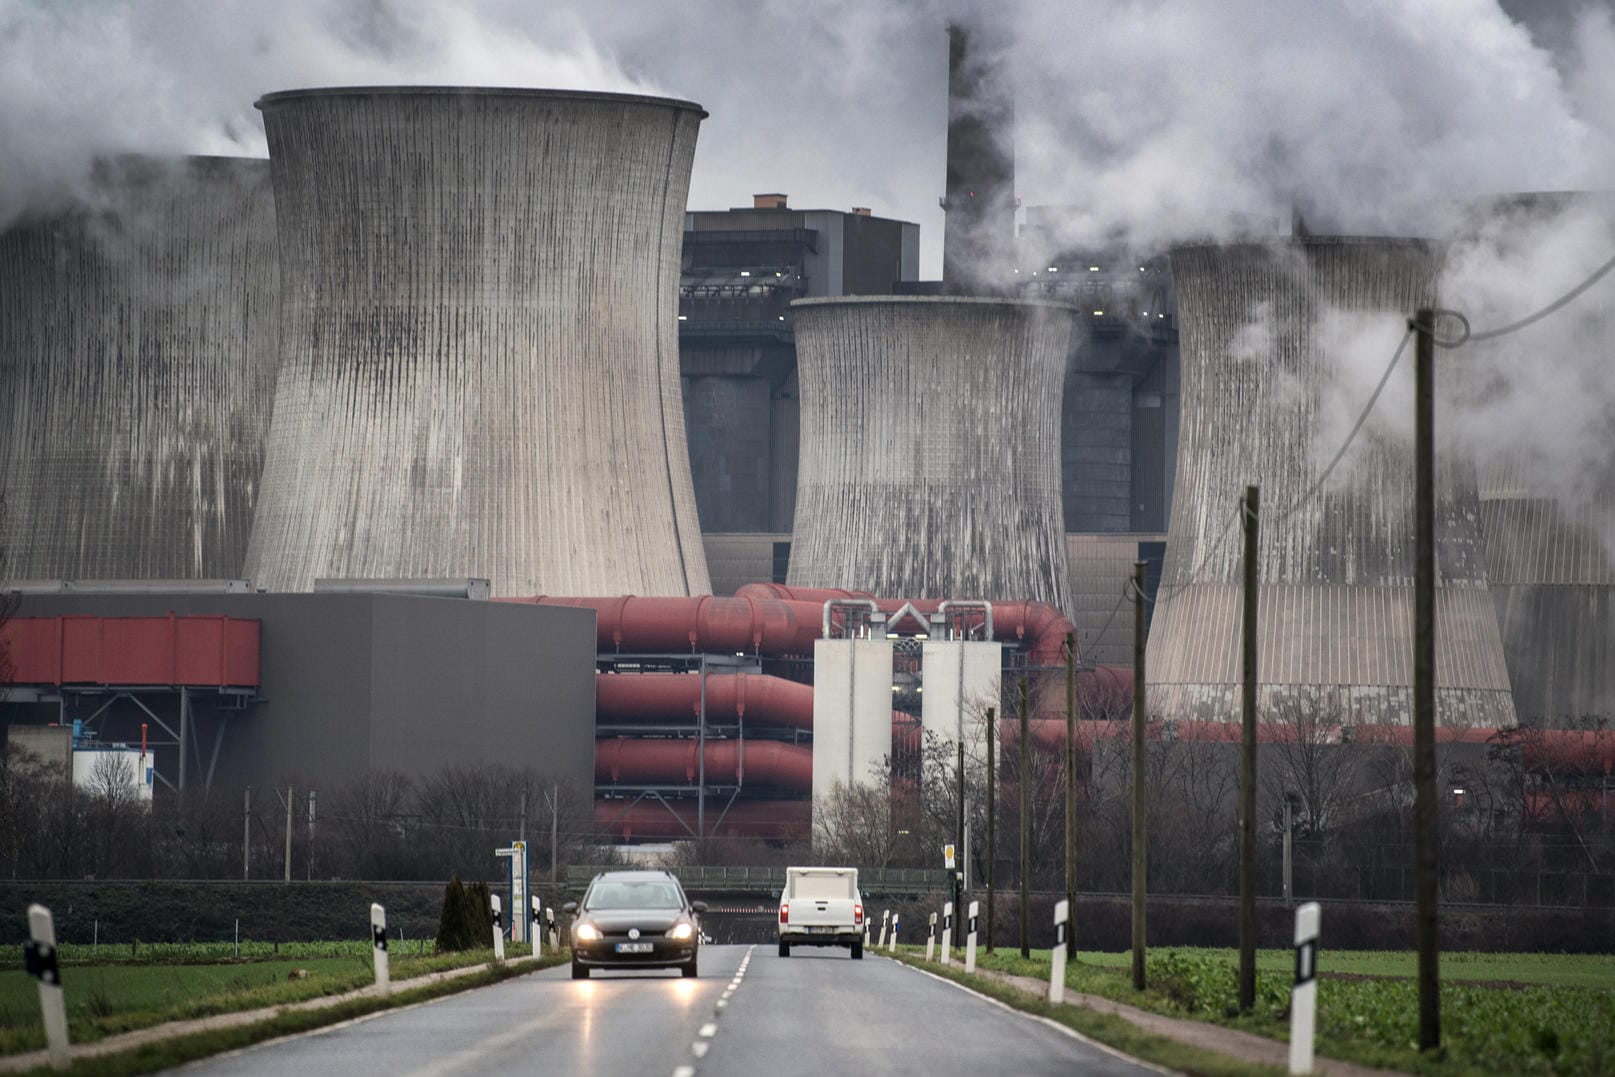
681,931
586,933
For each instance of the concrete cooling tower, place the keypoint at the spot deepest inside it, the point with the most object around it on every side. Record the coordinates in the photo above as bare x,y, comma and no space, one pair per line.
137,366
1545,496
1264,362
930,462
479,341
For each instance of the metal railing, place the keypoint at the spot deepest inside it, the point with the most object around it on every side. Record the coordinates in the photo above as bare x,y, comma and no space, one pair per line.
770,879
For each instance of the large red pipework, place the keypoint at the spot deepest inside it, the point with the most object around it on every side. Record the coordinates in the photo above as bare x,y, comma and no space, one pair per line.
753,698
654,820
660,761
703,625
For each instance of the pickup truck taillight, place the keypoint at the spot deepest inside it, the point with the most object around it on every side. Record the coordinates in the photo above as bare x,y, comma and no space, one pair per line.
784,908
858,913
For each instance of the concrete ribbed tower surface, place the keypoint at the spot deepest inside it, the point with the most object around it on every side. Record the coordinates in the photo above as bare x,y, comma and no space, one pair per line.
137,366
1335,617
1547,525
930,460
479,341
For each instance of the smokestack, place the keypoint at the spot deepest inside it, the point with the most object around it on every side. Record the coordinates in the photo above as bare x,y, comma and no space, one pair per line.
137,367
979,228
930,461
1336,568
480,350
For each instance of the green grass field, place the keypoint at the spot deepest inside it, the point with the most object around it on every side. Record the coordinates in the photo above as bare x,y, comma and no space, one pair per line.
104,999
1501,1013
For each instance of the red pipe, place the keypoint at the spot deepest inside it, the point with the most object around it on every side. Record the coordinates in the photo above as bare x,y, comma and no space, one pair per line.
753,698
706,624
659,761
652,820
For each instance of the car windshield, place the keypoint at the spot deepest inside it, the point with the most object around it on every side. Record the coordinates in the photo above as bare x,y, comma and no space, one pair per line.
633,895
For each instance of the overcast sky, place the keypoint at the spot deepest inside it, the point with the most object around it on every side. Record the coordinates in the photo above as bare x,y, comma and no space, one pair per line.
1157,117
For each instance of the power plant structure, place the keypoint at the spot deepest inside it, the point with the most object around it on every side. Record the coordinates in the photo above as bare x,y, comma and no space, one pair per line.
928,465
1335,559
479,355
1548,558
137,367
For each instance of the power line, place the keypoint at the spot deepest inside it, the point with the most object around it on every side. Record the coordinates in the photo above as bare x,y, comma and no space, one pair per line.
1514,327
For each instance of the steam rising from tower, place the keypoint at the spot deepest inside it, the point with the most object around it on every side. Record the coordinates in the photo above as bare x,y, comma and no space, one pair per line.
480,355
1260,366
930,447
137,366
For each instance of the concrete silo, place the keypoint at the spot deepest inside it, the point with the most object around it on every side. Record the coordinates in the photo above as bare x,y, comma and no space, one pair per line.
1263,362
479,341
930,461
137,365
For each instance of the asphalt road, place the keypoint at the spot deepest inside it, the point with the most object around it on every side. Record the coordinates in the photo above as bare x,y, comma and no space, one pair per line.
751,1013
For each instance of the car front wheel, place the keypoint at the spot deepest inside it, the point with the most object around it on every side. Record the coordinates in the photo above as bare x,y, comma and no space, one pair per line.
688,970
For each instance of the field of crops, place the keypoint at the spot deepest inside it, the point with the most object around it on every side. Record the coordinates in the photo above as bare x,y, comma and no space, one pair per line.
1501,1014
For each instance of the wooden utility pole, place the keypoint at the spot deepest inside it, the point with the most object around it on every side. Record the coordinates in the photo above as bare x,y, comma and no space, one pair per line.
1247,763
992,820
246,834
288,833
1071,794
1424,679
1139,862
960,847
1026,830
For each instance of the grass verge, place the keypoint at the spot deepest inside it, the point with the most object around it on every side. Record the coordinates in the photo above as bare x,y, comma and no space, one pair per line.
177,1050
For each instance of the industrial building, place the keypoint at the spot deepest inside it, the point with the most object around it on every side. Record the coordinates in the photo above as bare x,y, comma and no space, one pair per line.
137,364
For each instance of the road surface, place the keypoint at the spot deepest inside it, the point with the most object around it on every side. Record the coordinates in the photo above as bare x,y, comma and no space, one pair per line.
751,1013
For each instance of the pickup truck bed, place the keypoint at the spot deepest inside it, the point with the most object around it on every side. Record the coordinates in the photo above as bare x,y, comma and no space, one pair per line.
821,907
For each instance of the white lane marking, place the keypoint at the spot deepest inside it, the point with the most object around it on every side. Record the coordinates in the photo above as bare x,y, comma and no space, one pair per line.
700,1048
684,1071
708,1031
1049,1021
722,1002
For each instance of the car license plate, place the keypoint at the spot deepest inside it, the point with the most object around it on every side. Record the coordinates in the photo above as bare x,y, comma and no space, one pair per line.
821,930
634,947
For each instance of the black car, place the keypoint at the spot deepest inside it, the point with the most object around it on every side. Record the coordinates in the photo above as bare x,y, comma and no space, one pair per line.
635,919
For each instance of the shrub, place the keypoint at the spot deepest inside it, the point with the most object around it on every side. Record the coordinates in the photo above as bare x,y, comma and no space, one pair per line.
458,927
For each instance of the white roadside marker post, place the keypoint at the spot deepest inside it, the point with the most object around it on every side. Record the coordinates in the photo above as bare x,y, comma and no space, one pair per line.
891,944
1304,995
378,945
498,928
930,938
39,955
947,933
1062,917
970,937
537,929
549,925
885,922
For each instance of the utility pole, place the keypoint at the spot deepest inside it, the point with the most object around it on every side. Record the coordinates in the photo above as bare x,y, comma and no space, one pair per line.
555,817
1071,793
288,833
1139,863
309,863
1247,762
521,818
992,820
1424,683
1026,830
246,835
959,836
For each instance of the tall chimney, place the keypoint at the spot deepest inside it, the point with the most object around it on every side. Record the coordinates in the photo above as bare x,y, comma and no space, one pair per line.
979,229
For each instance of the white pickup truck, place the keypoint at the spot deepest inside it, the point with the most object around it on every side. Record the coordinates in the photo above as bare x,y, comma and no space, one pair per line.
821,907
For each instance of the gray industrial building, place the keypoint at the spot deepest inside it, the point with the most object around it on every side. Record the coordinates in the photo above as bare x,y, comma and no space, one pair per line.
742,269
349,683
137,366
479,365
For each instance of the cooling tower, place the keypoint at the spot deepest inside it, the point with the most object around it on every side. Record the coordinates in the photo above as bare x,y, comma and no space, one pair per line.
137,356
479,341
1545,508
1262,366
930,462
